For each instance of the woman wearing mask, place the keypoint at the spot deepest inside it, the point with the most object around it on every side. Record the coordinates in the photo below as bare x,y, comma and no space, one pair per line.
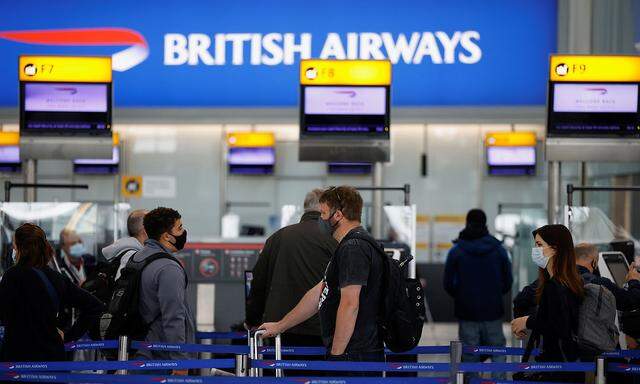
559,294
32,295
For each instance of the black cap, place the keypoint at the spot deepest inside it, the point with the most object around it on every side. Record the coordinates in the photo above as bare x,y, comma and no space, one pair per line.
476,217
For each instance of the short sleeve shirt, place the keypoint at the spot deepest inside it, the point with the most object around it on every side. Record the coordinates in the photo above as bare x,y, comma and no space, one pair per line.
355,262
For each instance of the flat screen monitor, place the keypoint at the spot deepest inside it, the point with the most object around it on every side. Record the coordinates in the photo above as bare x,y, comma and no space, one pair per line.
343,111
10,159
98,166
511,161
65,108
251,161
593,110
350,168
617,265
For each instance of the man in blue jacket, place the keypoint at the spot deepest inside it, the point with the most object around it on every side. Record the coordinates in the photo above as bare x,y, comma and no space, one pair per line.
477,274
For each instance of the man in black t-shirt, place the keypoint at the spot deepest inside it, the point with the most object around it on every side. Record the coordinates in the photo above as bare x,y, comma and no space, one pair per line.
348,297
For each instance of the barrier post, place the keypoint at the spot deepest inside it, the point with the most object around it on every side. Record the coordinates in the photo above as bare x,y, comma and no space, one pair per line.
455,355
460,378
241,360
600,379
278,354
123,352
205,356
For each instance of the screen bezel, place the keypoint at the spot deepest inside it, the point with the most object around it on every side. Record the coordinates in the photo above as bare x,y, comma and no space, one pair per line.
610,118
105,117
366,120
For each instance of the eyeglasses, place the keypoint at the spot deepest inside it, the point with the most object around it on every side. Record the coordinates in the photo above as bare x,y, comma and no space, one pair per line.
334,189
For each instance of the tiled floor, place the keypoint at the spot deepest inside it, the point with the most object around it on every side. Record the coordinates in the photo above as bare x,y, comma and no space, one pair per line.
443,334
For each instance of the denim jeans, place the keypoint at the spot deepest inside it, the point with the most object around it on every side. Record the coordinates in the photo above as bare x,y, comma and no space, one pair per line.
482,333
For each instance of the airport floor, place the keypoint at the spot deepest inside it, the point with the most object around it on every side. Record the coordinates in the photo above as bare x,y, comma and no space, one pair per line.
442,334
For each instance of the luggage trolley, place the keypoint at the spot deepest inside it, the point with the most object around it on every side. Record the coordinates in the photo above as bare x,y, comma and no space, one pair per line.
255,342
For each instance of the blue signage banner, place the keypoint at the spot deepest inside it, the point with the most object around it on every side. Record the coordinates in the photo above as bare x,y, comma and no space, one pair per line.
246,54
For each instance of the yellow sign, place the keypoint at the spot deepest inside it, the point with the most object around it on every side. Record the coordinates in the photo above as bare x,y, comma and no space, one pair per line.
345,72
595,68
9,138
250,139
131,186
511,139
80,69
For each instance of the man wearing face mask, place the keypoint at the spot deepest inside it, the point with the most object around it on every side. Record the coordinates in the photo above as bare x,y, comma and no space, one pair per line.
348,298
71,257
163,286
292,261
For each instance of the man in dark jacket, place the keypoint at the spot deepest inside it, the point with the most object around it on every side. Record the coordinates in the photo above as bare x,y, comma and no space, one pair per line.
292,262
477,274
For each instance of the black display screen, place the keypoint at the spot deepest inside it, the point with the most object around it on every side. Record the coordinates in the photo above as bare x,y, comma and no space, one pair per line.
593,109
344,111
48,108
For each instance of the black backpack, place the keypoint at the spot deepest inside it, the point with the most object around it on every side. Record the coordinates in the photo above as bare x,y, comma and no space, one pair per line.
123,314
102,281
403,311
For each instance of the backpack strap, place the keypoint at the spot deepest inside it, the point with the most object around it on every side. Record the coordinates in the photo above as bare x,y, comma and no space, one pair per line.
51,291
161,255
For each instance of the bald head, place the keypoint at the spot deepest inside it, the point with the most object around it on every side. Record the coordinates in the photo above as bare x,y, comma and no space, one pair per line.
312,201
586,255
135,225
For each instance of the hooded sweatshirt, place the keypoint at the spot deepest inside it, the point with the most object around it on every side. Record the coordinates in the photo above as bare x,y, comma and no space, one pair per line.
113,250
477,274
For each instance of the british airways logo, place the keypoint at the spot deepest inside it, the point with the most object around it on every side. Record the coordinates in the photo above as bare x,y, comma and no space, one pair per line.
71,91
136,52
602,91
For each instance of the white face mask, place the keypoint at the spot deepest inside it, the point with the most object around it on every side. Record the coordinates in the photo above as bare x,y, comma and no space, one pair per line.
538,257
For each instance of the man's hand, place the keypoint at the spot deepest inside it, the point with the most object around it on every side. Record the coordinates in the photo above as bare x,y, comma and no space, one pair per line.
519,327
631,342
180,372
272,329
633,273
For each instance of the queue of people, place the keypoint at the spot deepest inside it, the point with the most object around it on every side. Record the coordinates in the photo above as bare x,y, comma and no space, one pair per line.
319,282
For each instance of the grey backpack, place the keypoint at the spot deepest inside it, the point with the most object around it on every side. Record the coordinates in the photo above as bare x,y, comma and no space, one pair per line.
597,331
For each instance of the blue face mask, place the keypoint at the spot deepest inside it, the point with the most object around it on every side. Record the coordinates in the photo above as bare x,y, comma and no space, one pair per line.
538,257
14,255
77,250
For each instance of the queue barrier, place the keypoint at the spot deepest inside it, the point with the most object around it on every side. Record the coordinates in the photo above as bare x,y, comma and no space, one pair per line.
221,335
65,366
349,366
152,379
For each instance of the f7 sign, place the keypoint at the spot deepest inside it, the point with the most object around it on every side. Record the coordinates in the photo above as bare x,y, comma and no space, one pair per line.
227,54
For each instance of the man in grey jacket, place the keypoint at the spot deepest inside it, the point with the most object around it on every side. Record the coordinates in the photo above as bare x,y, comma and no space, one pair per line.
163,286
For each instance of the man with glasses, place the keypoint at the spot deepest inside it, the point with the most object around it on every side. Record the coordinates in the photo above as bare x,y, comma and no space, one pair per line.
348,297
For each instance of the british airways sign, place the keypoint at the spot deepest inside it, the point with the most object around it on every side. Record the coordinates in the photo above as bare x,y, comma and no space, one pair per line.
224,54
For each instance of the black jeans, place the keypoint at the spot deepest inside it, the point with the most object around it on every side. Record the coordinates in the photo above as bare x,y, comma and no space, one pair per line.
374,356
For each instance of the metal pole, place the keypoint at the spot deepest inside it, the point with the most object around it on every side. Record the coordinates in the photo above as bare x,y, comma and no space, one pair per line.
460,378
7,191
553,197
600,379
570,195
123,352
30,178
455,356
278,355
206,356
407,194
376,217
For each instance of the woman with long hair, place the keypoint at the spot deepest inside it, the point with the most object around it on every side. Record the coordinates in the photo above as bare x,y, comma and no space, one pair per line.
559,295
32,295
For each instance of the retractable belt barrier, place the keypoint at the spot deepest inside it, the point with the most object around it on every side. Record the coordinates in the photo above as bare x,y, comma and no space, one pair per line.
94,345
527,367
63,366
349,366
151,379
623,368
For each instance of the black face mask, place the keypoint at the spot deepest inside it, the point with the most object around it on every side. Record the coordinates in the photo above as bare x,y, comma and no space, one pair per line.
181,240
328,227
